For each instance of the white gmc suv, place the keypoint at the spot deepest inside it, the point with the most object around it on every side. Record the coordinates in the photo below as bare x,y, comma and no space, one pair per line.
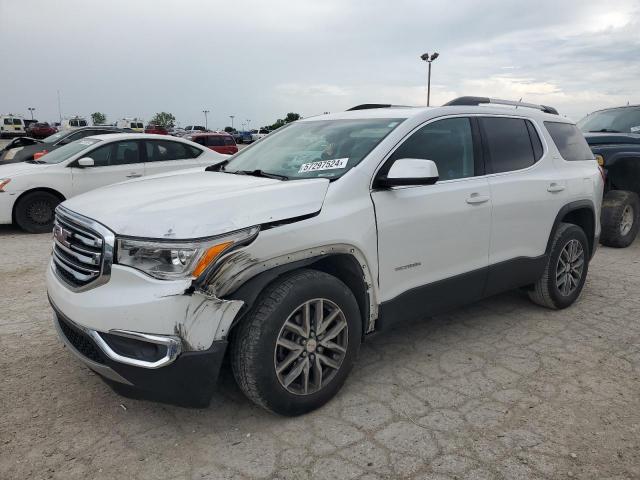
287,255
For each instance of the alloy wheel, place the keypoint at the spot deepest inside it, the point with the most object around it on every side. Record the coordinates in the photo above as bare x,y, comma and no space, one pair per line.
626,222
570,267
311,346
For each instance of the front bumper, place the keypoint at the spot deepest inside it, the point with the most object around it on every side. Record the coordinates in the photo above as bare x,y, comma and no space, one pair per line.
188,379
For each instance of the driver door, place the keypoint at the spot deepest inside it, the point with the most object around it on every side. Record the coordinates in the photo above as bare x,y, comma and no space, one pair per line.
433,240
114,162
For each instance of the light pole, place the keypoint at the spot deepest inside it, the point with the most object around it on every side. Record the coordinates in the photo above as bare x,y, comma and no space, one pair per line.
206,122
429,59
232,117
31,110
248,124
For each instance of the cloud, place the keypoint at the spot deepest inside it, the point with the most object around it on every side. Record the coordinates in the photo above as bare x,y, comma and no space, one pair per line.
259,60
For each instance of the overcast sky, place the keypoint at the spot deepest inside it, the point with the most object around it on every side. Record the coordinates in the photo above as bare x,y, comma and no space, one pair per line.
259,60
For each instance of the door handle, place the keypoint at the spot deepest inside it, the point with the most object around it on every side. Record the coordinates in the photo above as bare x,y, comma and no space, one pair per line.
476,198
134,175
554,187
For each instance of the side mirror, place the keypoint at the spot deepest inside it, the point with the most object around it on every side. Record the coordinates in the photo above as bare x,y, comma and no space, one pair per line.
409,171
86,162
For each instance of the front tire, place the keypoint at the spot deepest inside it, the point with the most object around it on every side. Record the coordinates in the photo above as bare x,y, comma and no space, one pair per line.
35,211
566,269
297,344
620,218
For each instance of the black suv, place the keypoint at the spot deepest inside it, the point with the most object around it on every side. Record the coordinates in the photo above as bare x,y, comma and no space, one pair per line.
22,149
614,137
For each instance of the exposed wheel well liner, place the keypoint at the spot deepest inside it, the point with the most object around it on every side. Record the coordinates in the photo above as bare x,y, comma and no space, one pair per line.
580,213
39,189
345,267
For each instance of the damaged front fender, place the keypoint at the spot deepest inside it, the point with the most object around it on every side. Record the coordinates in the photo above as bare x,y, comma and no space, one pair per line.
206,319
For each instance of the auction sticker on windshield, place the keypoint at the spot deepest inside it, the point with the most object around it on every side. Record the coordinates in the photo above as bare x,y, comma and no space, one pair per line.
323,165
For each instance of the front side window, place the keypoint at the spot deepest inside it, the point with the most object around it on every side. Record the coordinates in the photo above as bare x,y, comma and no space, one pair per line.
17,121
116,153
311,149
570,141
82,123
508,143
163,150
7,121
449,143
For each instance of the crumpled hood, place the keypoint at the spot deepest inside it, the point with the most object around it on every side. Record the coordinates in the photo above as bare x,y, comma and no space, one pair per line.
196,203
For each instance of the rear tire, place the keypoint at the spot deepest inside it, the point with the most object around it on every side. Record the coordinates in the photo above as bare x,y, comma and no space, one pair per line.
289,365
34,212
620,218
566,269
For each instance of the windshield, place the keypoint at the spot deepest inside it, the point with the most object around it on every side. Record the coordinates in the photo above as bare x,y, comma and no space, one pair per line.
55,137
324,148
624,120
63,153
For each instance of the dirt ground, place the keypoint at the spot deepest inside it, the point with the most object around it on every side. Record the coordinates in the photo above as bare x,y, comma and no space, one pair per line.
500,389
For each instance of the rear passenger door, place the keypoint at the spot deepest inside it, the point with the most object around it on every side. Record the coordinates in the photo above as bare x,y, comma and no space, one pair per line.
167,155
527,194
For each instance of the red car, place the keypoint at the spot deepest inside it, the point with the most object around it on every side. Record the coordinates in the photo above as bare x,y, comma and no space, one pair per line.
219,142
40,130
157,129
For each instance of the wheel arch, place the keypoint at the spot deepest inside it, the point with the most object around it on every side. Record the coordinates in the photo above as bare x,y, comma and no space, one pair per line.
581,213
53,191
344,266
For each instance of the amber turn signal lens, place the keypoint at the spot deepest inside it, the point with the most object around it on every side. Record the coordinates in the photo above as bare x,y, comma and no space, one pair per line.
600,160
210,255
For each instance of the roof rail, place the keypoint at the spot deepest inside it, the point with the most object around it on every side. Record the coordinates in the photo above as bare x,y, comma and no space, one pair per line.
497,101
368,106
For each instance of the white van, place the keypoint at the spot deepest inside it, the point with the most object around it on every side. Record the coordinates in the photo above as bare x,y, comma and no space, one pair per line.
74,123
11,125
134,124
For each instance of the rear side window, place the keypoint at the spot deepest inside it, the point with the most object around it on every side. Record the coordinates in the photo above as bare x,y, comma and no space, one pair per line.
570,141
7,121
161,150
508,143
229,141
17,121
214,141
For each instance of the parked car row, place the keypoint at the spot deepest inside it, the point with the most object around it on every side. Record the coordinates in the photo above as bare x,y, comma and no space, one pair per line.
31,189
287,256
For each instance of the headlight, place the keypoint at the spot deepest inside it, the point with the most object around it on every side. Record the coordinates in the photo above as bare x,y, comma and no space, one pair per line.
3,183
172,260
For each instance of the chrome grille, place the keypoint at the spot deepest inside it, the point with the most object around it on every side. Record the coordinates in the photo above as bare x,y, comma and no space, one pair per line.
79,248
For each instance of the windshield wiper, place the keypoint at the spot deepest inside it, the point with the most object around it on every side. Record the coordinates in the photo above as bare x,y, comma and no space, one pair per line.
605,130
260,173
35,161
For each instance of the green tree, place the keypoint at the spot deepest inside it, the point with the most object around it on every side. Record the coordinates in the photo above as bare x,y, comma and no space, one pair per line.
98,118
164,119
291,117
229,129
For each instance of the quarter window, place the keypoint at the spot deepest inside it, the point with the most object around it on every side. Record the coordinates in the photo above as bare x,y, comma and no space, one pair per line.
508,143
449,143
569,140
